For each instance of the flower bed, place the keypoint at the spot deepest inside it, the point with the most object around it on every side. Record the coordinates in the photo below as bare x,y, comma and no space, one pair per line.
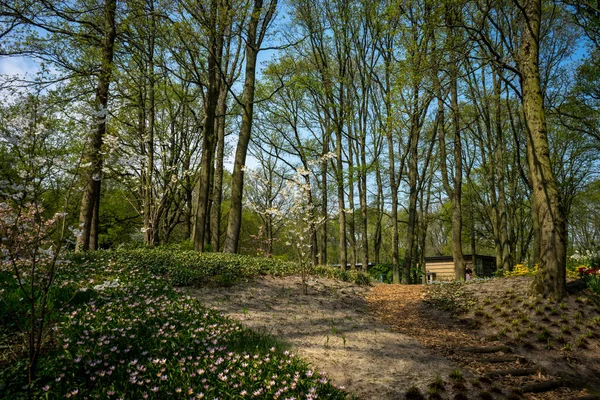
190,268
591,277
132,336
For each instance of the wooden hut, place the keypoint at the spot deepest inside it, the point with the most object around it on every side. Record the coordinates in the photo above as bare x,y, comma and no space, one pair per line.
441,268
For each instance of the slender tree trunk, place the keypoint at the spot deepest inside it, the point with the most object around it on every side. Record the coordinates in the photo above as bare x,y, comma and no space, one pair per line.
394,173
352,219
253,42
94,240
94,157
457,219
394,209
324,198
218,179
412,191
314,254
149,220
340,194
379,205
551,279
208,133
500,174
362,186
425,219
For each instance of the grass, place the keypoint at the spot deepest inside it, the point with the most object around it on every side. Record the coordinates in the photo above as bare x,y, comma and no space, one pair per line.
438,384
126,332
457,375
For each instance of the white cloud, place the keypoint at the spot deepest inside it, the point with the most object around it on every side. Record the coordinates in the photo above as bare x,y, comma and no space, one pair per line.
13,66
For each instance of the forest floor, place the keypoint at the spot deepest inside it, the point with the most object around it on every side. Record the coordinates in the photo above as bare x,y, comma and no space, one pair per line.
444,341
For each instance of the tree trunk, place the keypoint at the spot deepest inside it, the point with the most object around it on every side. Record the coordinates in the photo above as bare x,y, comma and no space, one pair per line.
94,157
208,132
551,279
149,220
500,175
412,191
379,204
362,189
218,175
253,42
394,210
340,194
457,219
351,218
94,232
324,205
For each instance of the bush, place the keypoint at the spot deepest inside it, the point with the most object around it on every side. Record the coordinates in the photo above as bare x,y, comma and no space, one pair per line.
349,275
591,277
521,270
382,273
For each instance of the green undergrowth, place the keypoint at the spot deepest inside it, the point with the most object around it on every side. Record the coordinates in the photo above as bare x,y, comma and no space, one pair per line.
357,277
191,268
451,297
119,330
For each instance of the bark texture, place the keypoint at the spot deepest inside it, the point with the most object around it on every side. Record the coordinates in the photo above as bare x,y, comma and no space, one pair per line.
551,279
253,42
91,195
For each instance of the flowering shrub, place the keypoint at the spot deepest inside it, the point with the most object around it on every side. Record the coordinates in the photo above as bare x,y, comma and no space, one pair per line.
586,258
588,271
263,245
135,337
185,268
592,277
521,270
29,260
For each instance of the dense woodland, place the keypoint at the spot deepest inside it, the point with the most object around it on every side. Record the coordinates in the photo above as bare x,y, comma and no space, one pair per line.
334,132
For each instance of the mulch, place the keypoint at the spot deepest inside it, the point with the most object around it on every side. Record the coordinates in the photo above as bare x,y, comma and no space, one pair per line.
402,307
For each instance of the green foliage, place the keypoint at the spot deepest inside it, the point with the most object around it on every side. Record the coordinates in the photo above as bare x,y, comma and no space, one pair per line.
593,283
355,276
450,297
382,273
189,268
185,268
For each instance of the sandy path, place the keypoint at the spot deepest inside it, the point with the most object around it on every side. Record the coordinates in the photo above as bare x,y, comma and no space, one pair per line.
332,329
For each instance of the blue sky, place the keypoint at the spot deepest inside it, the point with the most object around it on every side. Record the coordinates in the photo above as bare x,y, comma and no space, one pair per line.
12,66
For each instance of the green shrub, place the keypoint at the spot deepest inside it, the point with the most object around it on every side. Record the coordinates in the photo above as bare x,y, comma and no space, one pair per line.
382,273
593,283
357,277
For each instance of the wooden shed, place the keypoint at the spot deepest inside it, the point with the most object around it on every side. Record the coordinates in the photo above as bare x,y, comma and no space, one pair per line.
441,268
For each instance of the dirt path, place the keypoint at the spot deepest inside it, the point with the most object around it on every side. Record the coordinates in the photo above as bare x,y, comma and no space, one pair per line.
333,330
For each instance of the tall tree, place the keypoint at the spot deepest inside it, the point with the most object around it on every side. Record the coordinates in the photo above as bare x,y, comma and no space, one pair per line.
90,202
260,20
551,281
